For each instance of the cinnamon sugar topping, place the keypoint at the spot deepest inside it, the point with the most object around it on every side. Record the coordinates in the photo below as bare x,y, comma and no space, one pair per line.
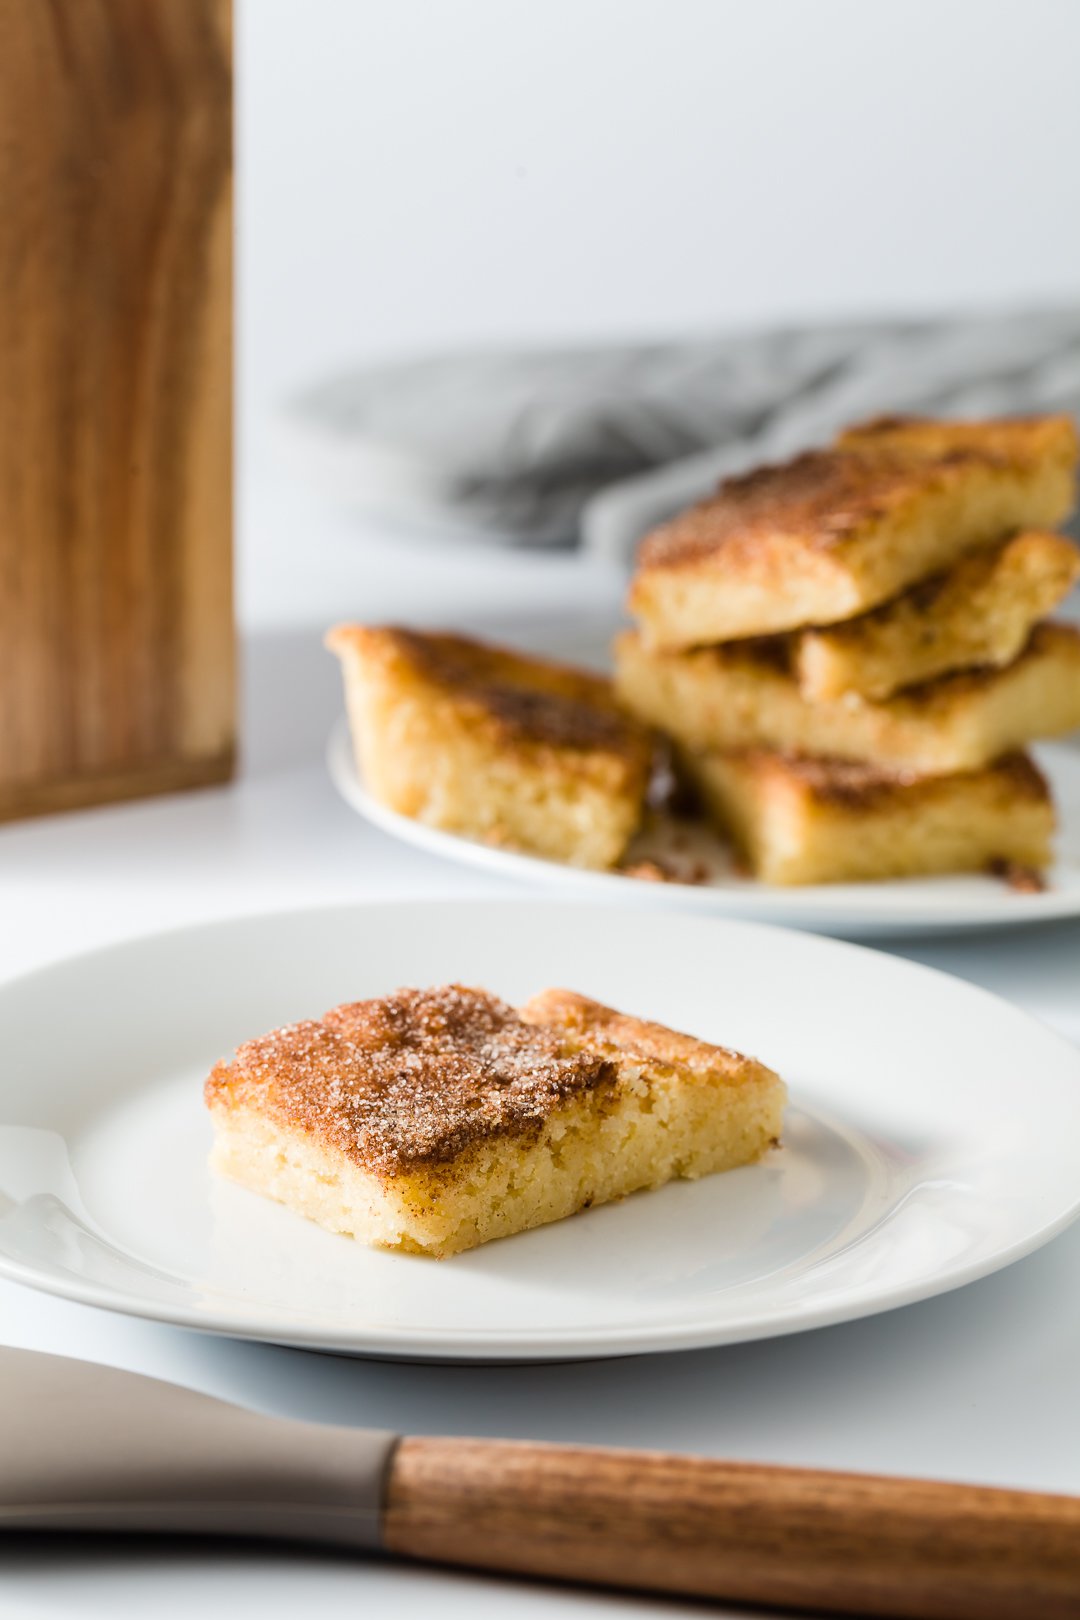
858,783
532,698
410,1079
823,496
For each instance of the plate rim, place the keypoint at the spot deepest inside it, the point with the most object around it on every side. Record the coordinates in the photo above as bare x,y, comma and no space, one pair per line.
483,1345
805,908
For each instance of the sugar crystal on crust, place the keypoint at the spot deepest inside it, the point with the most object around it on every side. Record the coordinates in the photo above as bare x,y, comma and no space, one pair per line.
532,699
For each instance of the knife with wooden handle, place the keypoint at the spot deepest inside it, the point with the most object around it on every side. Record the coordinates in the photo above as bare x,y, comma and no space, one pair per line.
91,1448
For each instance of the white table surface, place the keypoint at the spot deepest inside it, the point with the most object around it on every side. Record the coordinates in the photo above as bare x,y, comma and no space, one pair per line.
978,1385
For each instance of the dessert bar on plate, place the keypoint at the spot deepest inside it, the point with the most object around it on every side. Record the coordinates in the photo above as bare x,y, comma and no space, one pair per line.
435,1120
495,745
835,532
743,695
799,821
980,611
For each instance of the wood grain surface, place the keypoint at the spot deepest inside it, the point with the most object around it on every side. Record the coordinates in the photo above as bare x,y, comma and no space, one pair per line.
116,632
783,1538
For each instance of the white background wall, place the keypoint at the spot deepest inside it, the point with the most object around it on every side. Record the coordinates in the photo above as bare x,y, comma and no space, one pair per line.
419,172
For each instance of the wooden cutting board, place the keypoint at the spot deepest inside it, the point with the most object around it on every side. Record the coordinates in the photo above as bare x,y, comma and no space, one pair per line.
116,620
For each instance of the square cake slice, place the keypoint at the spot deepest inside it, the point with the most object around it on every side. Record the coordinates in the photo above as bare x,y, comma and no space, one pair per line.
834,533
980,611
494,745
431,1121
829,821
744,696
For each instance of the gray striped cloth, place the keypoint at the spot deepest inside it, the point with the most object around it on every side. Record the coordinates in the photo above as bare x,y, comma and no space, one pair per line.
594,446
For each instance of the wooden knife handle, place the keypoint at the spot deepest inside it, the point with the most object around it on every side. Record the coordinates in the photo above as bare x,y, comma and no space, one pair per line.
781,1537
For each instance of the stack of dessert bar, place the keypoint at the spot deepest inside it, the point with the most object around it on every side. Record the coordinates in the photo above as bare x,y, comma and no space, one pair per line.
850,655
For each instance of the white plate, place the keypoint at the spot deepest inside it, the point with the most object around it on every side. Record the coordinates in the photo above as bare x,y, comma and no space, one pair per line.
931,1137
852,910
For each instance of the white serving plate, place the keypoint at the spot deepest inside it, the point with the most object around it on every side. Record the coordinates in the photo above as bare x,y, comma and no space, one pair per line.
850,910
930,1139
